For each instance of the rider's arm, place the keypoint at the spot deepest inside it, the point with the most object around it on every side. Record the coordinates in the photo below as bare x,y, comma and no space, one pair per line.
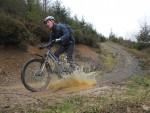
66,33
51,39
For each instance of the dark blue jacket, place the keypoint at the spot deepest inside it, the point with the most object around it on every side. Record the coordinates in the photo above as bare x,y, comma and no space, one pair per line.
64,32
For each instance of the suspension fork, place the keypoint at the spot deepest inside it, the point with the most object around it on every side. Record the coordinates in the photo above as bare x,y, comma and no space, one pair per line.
44,63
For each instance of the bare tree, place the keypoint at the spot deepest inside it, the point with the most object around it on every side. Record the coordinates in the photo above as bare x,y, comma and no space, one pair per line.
45,6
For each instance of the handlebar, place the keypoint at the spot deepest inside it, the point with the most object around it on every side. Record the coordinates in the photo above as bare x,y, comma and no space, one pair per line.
46,45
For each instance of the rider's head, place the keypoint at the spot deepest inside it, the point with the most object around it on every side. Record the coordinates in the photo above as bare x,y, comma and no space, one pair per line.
49,21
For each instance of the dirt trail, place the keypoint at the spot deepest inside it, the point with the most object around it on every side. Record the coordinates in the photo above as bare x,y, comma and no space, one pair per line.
126,66
16,96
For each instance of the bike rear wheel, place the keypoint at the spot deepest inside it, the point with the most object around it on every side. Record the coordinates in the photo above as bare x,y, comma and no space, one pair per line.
35,75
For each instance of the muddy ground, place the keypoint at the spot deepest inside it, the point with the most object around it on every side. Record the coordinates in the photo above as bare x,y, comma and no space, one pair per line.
14,97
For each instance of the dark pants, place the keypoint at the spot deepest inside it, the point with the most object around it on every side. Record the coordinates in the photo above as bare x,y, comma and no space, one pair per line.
69,49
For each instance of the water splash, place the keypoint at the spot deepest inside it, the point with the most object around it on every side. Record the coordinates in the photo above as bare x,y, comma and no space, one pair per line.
77,80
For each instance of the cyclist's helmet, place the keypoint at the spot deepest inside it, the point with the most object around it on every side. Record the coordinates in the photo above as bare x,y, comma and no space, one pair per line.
48,18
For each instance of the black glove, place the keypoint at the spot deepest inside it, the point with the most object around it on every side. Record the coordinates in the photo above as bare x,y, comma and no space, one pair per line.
42,46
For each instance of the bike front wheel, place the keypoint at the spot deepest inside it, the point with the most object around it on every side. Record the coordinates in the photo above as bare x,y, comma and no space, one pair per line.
35,75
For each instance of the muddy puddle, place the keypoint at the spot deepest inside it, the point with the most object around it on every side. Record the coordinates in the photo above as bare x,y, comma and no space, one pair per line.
76,81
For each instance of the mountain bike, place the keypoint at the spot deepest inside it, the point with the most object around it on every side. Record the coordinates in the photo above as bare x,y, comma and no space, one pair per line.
37,72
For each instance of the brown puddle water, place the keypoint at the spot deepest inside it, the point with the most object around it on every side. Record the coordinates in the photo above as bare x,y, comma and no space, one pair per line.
76,81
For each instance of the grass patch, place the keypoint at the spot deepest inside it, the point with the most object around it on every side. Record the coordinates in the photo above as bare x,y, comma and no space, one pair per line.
66,107
140,81
109,61
139,87
143,57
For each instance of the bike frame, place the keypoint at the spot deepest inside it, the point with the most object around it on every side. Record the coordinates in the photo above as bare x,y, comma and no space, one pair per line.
52,56
49,55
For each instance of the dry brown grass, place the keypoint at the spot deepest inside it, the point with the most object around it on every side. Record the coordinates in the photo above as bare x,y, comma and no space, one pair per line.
85,51
143,57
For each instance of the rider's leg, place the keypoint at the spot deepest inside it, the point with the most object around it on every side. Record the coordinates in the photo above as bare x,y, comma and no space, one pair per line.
59,51
70,52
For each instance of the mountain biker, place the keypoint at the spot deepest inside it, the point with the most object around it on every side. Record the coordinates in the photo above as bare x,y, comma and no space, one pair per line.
63,35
